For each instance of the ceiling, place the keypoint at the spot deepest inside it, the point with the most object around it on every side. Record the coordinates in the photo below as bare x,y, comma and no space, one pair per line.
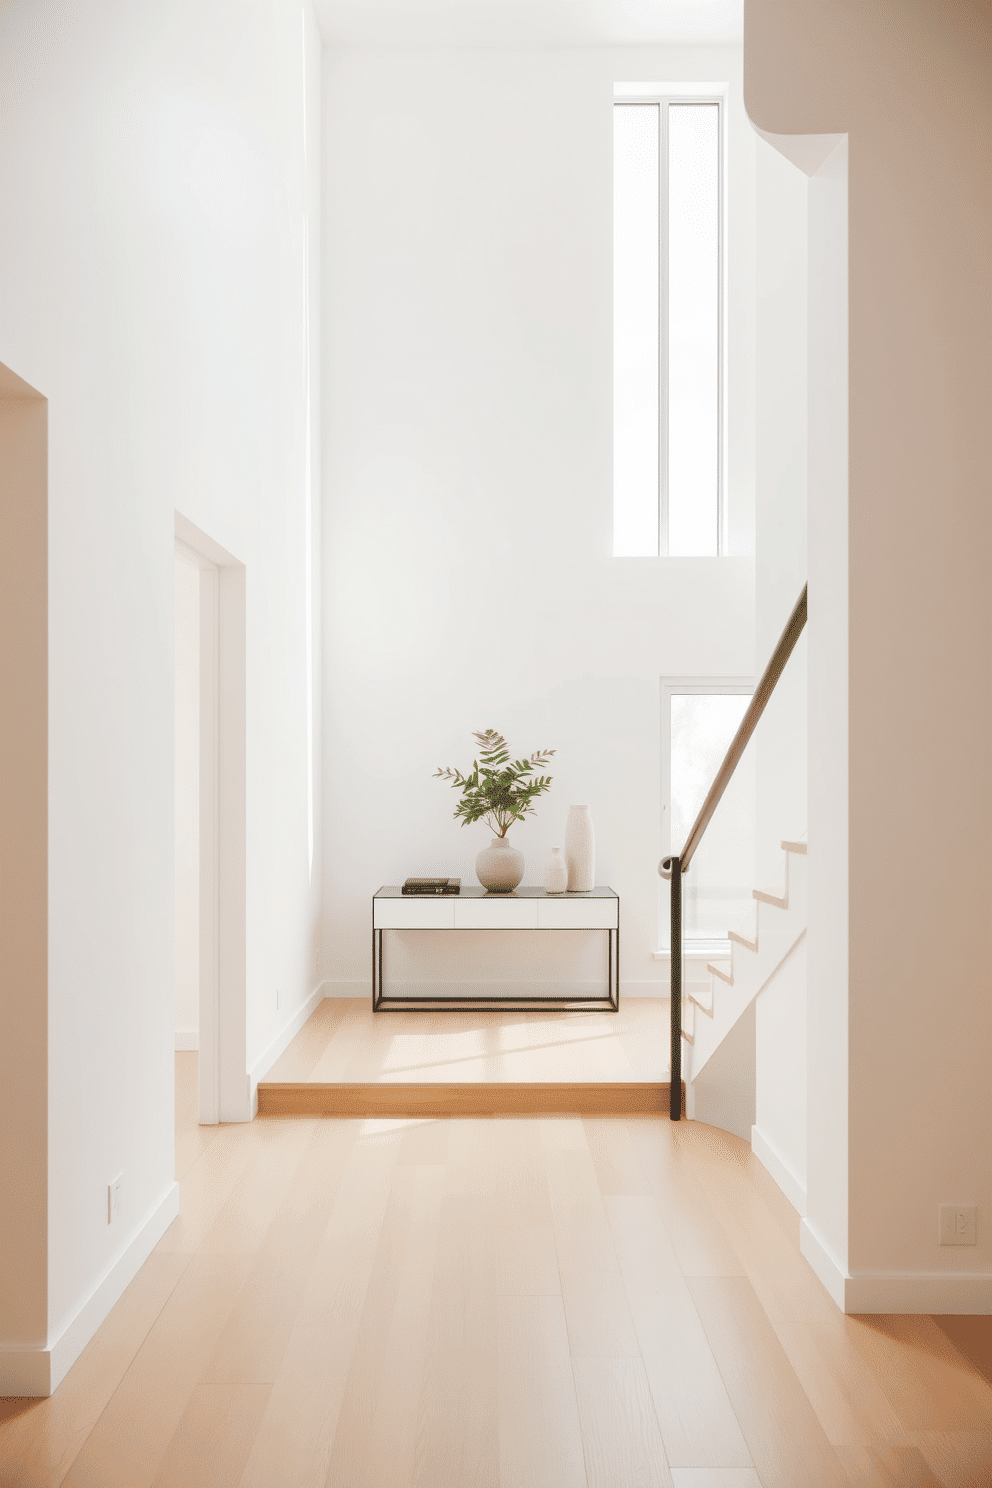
529,23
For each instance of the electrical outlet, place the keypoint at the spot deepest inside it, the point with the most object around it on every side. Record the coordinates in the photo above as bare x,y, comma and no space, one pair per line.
958,1224
278,998
114,1198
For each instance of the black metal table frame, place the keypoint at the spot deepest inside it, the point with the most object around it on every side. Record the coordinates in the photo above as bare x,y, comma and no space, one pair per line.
381,1003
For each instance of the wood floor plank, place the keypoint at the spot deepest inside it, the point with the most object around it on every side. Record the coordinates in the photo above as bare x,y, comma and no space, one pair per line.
958,1459
213,1439
313,1190
698,1424
582,1231
700,1241
39,1444
786,1441
296,1435
191,1138
251,1347
620,1436
834,1338
520,1175
715,1477
527,1260
206,1187
257,1196
457,1437
615,1157
540,1440
769,1255
129,1441
597,1314
887,1466
375,1441
298,1060
843,1422
930,1384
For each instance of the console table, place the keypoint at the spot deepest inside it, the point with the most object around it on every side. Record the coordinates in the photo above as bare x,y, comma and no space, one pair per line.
475,909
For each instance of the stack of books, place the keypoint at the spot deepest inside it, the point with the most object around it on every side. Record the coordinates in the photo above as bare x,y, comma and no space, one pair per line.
432,886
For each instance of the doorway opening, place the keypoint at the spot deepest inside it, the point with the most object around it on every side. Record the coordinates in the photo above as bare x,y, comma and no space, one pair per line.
210,822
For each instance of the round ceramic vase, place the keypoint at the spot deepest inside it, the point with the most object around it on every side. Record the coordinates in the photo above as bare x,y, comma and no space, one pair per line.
499,867
580,850
556,873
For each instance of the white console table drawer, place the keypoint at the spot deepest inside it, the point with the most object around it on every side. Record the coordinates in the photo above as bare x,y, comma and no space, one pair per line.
577,914
497,914
414,913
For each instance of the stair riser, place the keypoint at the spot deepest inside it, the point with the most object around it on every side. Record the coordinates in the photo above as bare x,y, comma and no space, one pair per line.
778,931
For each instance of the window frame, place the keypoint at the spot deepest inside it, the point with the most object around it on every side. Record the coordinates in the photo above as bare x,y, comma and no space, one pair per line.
674,686
664,95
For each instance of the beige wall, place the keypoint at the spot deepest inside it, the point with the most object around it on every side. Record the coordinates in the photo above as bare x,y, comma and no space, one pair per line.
23,862
908,83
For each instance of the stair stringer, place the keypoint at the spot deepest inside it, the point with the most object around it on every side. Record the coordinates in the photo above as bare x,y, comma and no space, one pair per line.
780,924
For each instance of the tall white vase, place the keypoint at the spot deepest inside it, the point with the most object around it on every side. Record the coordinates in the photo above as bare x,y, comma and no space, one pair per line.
580,850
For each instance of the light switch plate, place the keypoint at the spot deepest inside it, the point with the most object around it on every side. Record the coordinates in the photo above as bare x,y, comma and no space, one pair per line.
959,1224
114,1198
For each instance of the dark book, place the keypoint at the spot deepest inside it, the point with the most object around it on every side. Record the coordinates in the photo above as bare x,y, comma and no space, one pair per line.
432,886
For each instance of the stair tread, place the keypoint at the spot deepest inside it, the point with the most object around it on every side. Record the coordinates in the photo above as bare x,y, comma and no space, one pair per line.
794,847
765,896
700,1005
725,976
735,935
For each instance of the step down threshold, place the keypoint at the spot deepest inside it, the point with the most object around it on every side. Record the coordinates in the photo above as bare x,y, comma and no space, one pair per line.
436,1100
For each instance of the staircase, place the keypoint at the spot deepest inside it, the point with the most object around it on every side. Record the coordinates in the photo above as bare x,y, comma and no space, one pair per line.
710,1013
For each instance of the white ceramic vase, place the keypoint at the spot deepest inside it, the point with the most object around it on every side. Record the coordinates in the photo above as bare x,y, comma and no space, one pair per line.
556,873
499,867
580,850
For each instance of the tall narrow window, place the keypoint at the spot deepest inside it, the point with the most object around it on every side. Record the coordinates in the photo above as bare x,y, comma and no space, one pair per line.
699,720
666,329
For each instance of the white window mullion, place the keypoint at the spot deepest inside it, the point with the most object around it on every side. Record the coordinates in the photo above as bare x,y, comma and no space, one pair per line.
637,313
669,406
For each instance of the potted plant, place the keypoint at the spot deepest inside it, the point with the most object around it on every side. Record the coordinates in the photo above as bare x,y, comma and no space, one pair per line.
499,791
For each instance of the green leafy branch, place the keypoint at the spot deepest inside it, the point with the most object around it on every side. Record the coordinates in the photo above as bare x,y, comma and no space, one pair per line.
497,789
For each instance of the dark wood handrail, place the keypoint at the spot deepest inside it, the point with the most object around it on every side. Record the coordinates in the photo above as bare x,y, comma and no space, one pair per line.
759,701
675,865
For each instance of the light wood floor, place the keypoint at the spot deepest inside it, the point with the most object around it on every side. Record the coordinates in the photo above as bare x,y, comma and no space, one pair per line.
459,1304
348,1060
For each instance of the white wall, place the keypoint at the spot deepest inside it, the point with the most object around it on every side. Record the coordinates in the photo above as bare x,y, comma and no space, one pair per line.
158,185
780,1078
469,580
187,799
900,655
781,392
781,458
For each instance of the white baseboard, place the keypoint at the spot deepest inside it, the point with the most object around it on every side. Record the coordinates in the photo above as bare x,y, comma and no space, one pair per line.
363,990
654,989
966,1293
823,1261
770,1158
187,1039
359,990
280,1043
38,1372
